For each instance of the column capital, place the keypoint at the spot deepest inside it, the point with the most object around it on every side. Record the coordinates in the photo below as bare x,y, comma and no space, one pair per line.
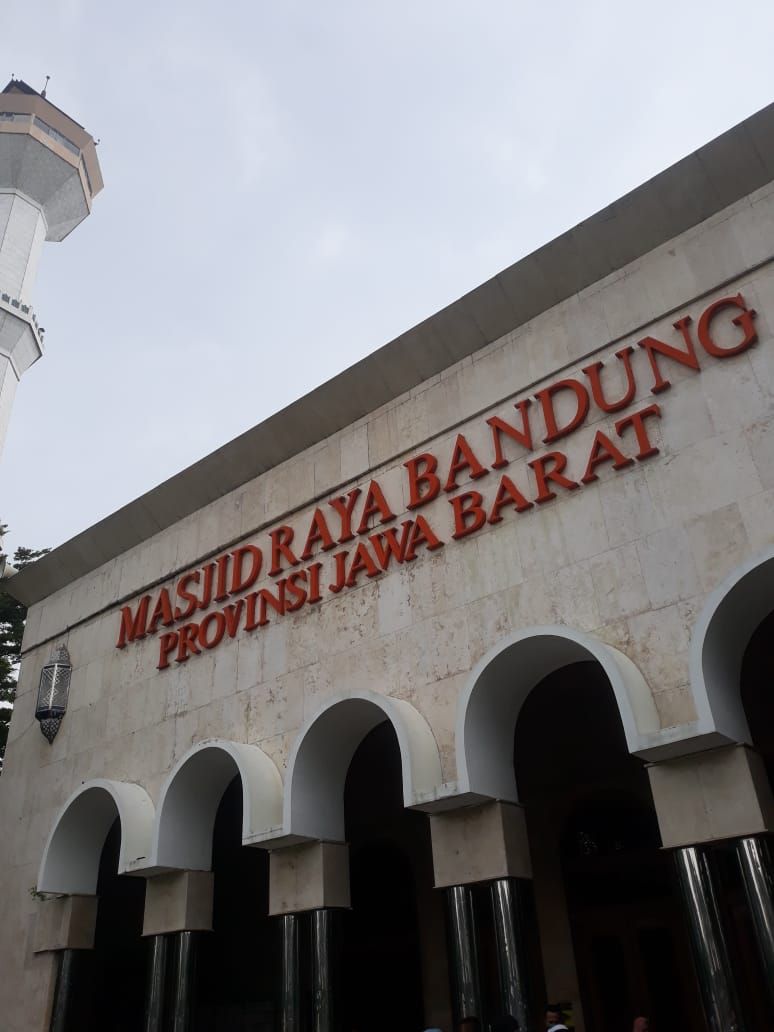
178,901
480,843
65,923
712,795
309,876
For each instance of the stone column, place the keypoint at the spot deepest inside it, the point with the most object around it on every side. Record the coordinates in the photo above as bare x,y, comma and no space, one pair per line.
65,980
323,970
184,985
463,952
313,878
178,908
65,926
718,795
486,843
290,992
509,924
157,982
755,861
710,953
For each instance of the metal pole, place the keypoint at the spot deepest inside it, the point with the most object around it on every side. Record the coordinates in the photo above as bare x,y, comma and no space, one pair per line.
60,1014
754,857
157,978
322,970
466,1000
710,954
185,981
508,911
290,1003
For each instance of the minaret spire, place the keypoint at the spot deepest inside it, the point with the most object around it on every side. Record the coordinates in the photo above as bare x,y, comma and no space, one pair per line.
49,174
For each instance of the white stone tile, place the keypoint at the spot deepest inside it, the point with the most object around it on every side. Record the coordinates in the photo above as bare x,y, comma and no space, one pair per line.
668,566
719,542
618,583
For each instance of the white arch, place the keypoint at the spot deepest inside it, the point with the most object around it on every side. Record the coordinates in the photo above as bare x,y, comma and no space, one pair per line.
721,634
498,686
189,799
321,754
72,853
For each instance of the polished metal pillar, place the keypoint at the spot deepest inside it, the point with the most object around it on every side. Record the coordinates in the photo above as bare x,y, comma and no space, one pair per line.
755,860
466,999
290,988
63,994
508,912
185,981
323,966
157,980
710,954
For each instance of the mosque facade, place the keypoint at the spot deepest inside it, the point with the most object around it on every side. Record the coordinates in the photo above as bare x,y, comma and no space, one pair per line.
444,692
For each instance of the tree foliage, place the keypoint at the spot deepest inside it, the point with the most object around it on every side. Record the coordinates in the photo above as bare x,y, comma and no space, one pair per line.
12,617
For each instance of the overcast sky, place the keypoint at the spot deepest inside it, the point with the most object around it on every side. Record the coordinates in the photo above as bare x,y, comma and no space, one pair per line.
290,185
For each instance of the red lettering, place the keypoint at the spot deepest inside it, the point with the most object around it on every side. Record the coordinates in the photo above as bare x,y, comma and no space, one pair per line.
344,507
655,347
190,598
603,450
318,531
221,592
162,612
314,584
421,534
231,614
522,437
239,580
219,620
361,560
507,494
463,457
375,504
187,642
296,587
394,548
133,626
167,644
264,599
281,540
469,515
339,559
745,321
637,421
543,474
595,382
206,598
424,485
546,399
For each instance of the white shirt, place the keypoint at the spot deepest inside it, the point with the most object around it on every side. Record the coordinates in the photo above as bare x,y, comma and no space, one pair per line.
554,1028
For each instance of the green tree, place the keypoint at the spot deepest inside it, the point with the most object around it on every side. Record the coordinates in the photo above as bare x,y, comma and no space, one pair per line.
12,617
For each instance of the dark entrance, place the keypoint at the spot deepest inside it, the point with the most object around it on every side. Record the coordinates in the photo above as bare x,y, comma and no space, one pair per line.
596,843
109,987
394,968
236,973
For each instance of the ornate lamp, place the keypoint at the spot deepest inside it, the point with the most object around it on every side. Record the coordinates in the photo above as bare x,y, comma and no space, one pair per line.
53,690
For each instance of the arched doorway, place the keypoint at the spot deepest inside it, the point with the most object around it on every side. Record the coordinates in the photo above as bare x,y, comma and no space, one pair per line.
756,676
394,969
606,898
235,970
118,965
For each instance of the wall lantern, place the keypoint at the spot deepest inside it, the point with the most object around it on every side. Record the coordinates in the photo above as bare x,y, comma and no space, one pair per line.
53,691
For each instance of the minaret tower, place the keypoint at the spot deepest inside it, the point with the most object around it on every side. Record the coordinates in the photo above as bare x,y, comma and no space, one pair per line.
49,174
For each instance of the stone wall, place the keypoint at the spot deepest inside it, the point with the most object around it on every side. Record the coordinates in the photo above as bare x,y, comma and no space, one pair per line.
629,558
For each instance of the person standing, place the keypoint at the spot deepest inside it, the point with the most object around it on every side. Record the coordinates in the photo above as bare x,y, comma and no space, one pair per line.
555,1018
